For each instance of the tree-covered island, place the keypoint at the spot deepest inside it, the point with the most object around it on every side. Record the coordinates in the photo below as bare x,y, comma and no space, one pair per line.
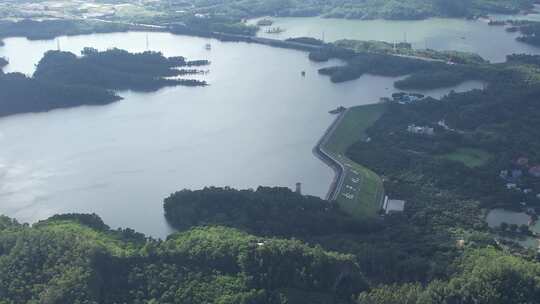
63,79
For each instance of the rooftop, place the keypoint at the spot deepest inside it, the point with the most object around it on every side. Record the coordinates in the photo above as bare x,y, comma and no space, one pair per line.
392,205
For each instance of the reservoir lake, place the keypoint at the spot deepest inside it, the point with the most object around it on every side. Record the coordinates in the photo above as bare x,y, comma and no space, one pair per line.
255,124
493,43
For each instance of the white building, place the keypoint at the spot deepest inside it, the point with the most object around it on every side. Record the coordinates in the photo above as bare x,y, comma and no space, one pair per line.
511,186
393,206
420,130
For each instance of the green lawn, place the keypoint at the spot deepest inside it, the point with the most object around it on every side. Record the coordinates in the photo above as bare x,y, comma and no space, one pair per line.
470,157
352,127
365,185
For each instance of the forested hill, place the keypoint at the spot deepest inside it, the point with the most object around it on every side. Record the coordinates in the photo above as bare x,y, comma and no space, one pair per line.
77,259
64,80
405,258
368,9
266,211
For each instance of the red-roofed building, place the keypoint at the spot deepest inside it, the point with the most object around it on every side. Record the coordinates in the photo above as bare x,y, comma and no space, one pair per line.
535,171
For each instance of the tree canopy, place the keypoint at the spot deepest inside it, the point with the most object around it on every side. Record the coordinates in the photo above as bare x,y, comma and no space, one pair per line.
75,259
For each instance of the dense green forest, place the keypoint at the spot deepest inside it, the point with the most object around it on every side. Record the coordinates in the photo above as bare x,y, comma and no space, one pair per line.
64,80
78,259
482,276
260,212
416,248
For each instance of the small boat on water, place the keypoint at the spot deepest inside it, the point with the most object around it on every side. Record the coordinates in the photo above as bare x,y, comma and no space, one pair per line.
208,46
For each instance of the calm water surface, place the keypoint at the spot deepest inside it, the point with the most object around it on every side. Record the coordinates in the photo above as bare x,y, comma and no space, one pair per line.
496,217
491,42
254,125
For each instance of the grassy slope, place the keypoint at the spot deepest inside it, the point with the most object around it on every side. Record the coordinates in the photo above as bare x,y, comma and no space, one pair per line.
469,157
368,191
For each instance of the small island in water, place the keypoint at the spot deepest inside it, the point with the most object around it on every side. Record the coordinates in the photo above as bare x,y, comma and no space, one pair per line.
63,79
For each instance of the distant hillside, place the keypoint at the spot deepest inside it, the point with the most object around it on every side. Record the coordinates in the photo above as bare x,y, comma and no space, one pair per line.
355,9
49,29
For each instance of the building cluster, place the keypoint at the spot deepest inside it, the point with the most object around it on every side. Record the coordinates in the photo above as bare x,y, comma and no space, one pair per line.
406,98
403,98
421,130
521,177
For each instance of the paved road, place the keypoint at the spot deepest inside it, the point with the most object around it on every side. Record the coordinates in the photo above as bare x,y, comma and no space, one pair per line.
152,26
339,168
